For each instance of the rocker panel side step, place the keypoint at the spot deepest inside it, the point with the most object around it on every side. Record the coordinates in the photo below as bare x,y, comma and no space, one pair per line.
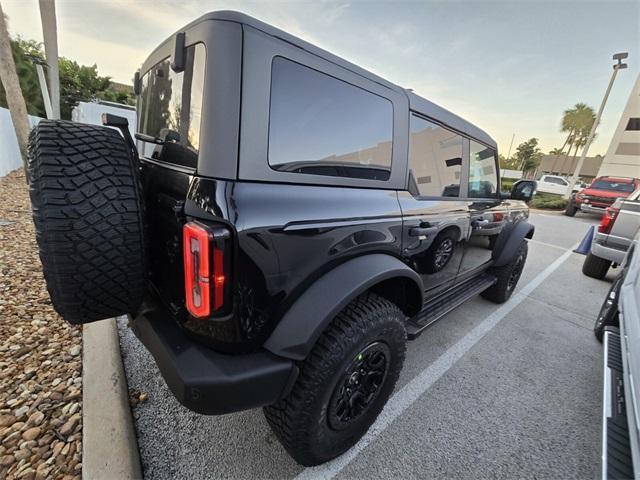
438,307
616,447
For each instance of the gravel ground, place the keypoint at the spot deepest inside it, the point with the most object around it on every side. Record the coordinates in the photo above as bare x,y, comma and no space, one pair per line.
40,356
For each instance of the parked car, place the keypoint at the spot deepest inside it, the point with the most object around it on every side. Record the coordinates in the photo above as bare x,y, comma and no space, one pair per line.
602,192
619,324
554,184
286,220
611,241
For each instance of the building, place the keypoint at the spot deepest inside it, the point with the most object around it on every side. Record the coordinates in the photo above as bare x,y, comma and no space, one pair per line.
565,166
623,156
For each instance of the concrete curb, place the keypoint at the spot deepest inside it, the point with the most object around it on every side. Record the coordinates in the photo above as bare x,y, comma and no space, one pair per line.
109,447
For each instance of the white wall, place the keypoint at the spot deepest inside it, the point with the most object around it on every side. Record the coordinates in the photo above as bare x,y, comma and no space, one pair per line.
507,173
623,157
91,112
9,151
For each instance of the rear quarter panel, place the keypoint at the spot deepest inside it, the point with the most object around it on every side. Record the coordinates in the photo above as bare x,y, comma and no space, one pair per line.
278,255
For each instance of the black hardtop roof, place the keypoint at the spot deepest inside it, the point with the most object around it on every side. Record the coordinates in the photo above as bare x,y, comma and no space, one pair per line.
416,102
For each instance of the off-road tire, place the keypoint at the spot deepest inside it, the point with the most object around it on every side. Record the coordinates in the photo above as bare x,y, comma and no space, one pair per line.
301,420
570,210
88,215
608,315
595,267
507,276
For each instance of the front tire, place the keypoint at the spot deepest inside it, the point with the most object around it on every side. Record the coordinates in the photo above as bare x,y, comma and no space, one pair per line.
571,209
507,276
344,383
595,267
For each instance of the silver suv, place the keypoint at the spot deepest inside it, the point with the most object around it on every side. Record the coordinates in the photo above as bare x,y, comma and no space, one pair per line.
617,228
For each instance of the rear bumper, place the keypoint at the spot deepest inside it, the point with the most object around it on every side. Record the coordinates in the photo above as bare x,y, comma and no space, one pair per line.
209,382
615,255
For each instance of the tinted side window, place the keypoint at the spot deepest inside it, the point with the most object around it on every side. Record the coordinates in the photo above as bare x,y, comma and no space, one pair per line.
170,107
435,159
483,176
320,125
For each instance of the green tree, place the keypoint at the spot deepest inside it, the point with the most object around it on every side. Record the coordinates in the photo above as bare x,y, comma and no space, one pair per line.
509,163
23,53
78,83
528,155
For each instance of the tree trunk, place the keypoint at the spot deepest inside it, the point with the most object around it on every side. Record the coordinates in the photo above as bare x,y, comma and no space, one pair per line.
11,84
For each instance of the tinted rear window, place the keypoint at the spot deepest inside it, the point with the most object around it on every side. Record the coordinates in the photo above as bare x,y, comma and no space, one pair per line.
613,186
320,125
170,107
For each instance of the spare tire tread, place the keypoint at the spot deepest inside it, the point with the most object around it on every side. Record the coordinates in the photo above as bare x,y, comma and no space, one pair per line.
87,209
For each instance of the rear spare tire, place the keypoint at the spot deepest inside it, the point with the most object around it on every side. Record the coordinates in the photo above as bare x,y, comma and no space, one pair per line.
88,216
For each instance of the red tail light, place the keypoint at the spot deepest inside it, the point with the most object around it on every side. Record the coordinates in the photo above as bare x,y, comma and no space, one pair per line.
608,219
204,278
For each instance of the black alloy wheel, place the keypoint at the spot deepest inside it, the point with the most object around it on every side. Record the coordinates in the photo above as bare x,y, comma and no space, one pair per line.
516,271
359,386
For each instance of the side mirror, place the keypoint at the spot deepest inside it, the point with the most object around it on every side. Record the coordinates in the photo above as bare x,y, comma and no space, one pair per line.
524,190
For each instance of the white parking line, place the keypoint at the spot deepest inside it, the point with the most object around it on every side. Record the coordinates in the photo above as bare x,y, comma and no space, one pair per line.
547,244
406,396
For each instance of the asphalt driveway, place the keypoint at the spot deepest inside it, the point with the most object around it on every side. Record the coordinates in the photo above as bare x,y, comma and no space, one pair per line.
489,391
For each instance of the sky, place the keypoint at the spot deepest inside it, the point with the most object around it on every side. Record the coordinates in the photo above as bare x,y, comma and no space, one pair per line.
510,67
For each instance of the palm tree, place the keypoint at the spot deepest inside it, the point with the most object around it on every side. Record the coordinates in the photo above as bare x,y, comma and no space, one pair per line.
577,121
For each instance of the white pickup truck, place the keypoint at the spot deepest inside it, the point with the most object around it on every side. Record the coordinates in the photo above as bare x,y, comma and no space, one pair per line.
555,184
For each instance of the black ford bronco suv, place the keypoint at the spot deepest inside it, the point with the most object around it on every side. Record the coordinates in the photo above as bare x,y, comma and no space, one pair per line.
284,221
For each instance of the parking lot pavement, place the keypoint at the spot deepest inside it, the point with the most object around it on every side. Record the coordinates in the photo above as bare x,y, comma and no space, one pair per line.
489,391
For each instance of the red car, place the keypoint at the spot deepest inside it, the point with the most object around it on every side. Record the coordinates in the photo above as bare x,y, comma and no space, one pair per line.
602,192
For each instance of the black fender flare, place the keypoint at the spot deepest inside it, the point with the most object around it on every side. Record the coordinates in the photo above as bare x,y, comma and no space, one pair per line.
299,328
509,240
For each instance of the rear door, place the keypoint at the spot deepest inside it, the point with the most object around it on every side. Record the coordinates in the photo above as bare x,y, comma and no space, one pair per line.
435,217
169,109
488,212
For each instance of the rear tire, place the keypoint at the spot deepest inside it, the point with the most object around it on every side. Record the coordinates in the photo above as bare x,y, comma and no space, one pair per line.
608,315
595,267
319,420
507,276
88,215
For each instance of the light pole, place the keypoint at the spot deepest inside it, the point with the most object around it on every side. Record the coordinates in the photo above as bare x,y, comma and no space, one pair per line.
40,63
618,66
50,36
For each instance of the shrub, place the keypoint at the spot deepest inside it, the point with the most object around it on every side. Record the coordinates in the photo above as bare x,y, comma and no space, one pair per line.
548,201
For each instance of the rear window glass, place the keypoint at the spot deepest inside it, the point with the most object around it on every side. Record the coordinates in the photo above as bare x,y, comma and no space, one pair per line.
612,185
320,125
170,107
